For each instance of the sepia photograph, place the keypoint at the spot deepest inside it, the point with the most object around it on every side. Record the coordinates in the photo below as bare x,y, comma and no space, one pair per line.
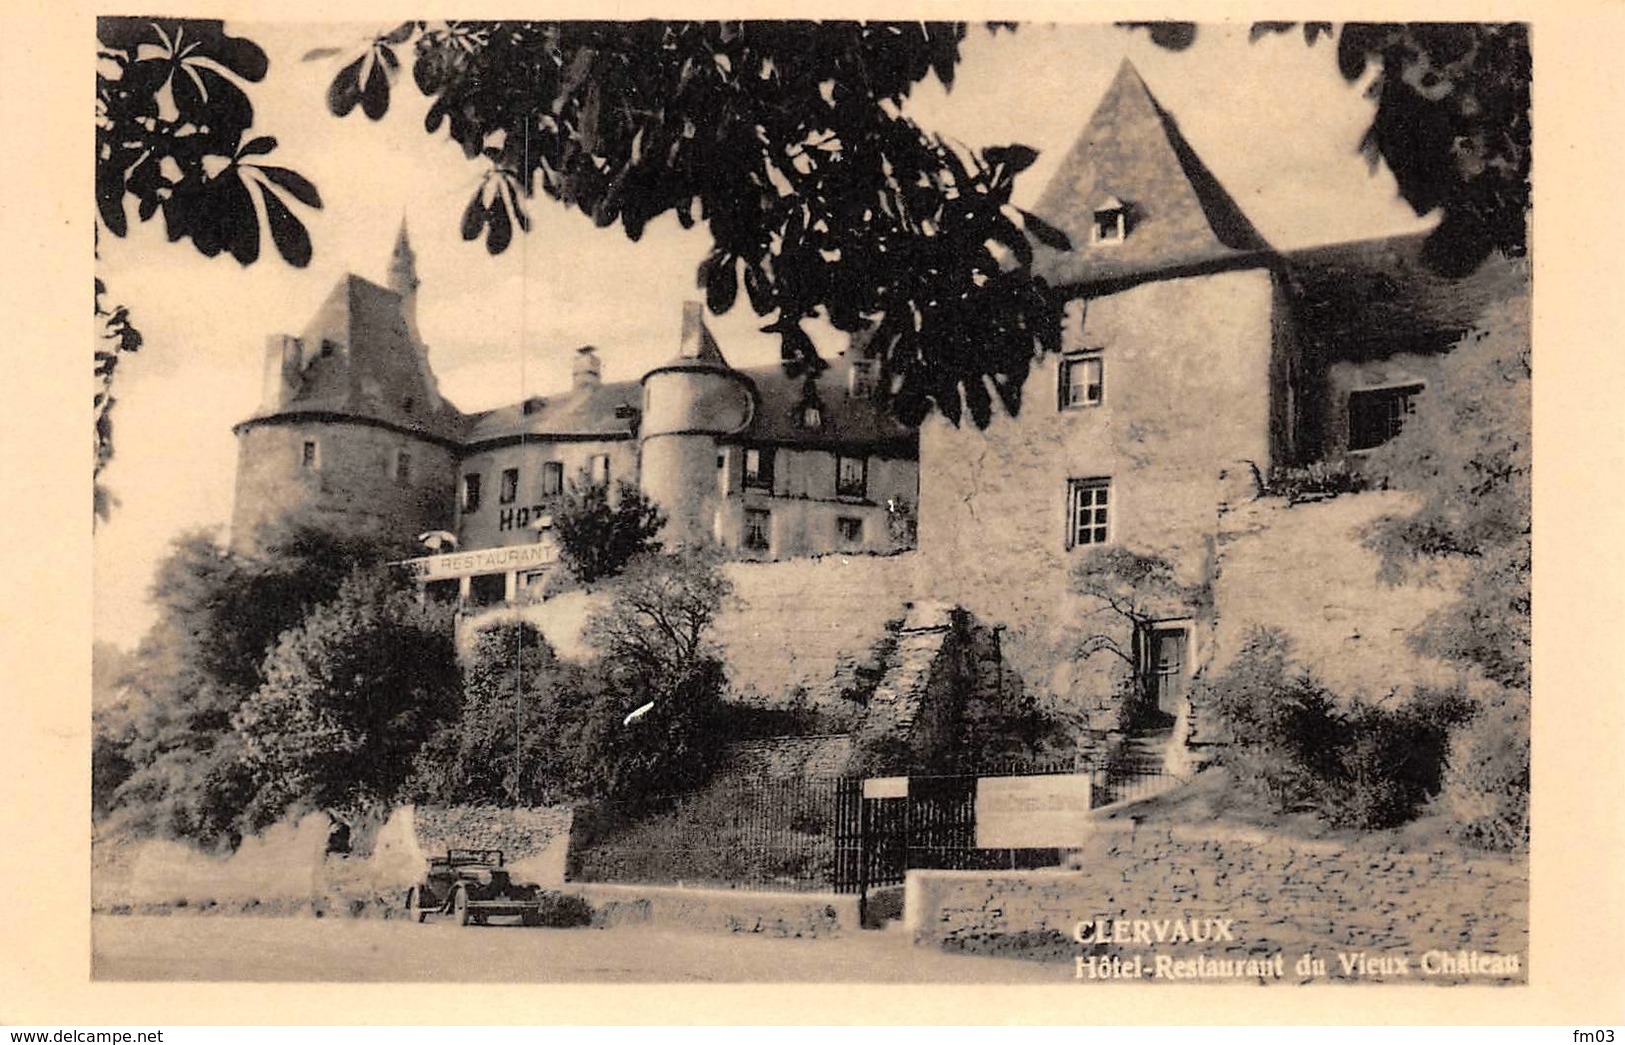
812,502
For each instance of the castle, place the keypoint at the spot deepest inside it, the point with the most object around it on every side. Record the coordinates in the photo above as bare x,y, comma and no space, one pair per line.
353,434
1196,358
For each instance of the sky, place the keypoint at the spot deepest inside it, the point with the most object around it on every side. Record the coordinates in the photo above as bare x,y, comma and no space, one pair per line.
1273,120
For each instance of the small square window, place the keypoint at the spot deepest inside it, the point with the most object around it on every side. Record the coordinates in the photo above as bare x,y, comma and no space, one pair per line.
1110,224
849,530
1088,502
471,493
552,478
310,456
758,529
759,467
1376,415
510,486
1083,381
851,476
403,466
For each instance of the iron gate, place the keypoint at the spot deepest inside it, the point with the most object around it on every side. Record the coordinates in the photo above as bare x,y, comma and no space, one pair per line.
932,825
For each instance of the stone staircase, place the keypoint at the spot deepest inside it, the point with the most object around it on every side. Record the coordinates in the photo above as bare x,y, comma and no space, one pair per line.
1138,769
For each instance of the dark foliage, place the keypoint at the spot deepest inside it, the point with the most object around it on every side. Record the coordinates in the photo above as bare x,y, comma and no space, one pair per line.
1468,455
1451,121
171,118
219,614
348,698
732,834
786,140
645,719
596,538
1316,481
1300,748
172,114
518,736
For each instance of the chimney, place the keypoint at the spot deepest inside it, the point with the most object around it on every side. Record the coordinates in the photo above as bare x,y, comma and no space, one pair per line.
284,359
586,371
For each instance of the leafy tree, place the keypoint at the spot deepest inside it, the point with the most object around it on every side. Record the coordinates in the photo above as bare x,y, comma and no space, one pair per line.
1451,120
348,698
1128,590
169,752
1467,454
655,631
517,737
172,114
786,140
596,538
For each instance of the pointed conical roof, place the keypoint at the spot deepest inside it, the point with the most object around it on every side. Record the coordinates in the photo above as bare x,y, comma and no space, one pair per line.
697,349
1132,155
403,264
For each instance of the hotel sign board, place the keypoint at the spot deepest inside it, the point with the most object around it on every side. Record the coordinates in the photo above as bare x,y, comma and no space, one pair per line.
519,557
1032,812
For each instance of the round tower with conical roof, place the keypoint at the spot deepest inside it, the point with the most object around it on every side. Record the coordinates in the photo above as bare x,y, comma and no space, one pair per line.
689,403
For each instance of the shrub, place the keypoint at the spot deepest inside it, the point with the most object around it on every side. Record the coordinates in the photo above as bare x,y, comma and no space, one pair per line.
1486,779
1300,748
596,538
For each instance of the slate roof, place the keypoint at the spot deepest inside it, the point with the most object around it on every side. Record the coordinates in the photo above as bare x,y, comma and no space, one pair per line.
371,369
1371,298
1179,216
601,411
847,420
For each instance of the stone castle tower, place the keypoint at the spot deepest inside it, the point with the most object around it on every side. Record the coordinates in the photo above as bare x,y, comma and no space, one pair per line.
688,403
351,433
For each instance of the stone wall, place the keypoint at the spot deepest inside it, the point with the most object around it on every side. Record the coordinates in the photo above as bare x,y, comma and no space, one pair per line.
1280,896
519,833
1186,410
353,487
1303,570
802,629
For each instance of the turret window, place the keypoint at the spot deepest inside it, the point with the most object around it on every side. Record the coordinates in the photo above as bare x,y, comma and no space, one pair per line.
403,467
310,456
471,493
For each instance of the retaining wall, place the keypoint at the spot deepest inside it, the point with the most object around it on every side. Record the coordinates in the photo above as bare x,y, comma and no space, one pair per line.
1292,898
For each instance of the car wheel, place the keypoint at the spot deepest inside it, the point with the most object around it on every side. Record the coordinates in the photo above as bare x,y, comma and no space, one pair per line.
459,908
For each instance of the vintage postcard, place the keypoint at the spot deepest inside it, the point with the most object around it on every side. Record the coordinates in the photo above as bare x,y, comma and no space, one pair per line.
743,507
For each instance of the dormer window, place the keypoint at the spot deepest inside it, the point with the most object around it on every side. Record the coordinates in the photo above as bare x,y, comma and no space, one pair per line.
1110,222
811,416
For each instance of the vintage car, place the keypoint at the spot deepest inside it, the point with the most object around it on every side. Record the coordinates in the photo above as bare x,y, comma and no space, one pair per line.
471,885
